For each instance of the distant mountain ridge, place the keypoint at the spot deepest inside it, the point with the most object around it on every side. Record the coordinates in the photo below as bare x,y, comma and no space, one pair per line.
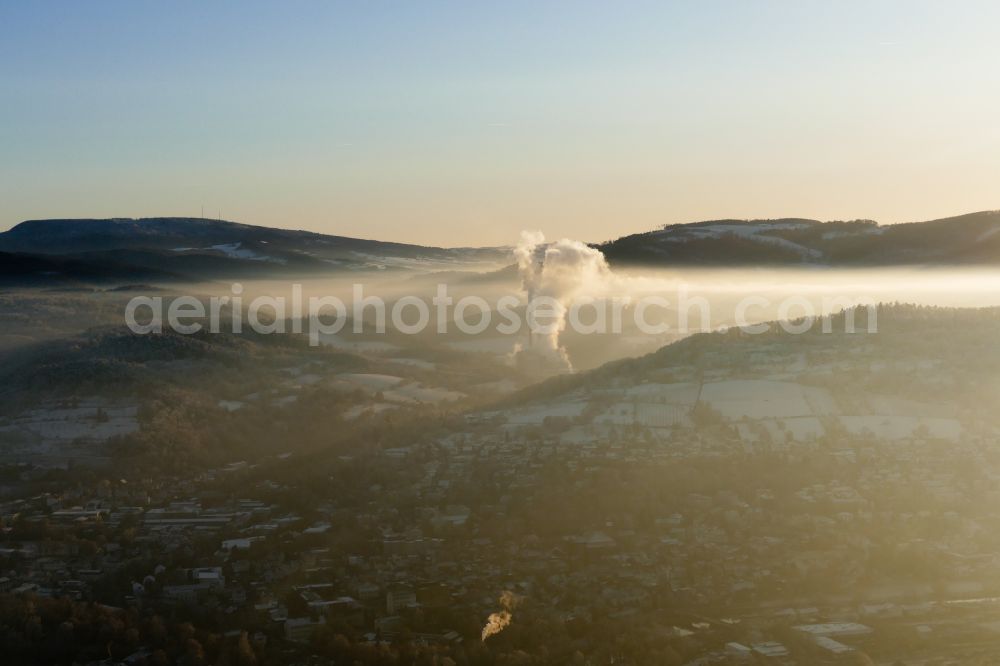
199,248
184,248
962,240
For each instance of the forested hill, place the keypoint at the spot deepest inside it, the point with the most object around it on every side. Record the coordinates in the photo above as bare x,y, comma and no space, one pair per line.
971,239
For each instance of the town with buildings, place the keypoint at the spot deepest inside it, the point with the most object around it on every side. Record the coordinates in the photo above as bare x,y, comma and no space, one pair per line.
679,513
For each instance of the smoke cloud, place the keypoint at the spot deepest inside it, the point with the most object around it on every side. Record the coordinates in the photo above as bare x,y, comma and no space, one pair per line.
558,273
529,259
499,621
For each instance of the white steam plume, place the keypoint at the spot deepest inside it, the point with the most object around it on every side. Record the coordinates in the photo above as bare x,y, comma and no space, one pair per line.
560,271
529,264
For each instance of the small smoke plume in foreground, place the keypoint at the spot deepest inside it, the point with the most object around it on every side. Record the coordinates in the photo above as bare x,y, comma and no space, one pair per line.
562,271
498,621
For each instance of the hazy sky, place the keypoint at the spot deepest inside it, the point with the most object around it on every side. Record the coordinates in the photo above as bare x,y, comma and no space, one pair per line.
463,123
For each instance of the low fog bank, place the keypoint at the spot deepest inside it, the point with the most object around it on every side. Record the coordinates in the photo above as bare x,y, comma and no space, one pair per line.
675,303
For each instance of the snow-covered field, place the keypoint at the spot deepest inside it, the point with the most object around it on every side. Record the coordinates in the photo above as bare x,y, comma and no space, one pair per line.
395,388
775,411
235,251
799,429
764,399
374,408
644,414
329,340
370,382
414,362
900,427
306,380
882,404
420,393
747,230
91,420
537,415
683,393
